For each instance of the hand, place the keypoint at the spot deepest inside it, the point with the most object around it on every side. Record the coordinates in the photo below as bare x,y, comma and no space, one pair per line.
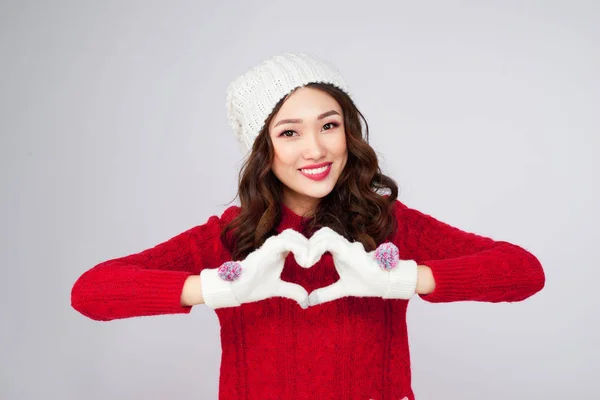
258,276
379,273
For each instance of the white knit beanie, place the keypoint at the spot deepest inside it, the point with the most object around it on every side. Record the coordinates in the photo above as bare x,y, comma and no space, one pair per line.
251,97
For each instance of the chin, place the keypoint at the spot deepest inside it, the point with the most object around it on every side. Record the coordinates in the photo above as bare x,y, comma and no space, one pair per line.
316,194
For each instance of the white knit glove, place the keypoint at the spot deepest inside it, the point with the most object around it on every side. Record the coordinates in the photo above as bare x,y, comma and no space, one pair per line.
258,276
379,273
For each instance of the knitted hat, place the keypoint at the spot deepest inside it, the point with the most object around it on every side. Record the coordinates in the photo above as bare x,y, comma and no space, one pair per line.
252,96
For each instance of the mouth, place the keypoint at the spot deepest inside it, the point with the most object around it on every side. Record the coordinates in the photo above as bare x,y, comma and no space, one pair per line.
317,174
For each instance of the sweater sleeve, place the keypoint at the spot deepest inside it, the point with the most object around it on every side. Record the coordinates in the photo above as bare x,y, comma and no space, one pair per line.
149,282
467,266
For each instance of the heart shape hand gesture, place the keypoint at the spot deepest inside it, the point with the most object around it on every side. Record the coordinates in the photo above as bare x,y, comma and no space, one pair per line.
379,273
258,276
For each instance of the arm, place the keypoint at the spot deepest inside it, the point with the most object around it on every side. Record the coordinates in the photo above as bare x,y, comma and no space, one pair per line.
465,266
159,280
191,294
425,280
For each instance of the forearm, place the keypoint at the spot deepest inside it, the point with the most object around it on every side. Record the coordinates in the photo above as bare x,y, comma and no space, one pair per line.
191,294
504,273
425,280
465,266
110,291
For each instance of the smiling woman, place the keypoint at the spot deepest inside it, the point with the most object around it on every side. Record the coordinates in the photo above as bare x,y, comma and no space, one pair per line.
309,152
309,121
311,275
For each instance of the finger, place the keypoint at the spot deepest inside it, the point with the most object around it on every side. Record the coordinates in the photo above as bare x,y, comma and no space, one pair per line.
292,234
294,292
328,293
319,244
288,241
300,249
331,242
328,234
315,252
324,232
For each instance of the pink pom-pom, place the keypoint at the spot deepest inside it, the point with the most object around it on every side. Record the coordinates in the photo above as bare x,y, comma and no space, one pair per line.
387,255
230,271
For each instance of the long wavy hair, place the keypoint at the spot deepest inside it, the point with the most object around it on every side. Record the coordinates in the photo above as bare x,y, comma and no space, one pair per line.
355,208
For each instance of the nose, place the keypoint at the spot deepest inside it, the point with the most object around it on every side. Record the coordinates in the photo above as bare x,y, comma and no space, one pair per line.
313,147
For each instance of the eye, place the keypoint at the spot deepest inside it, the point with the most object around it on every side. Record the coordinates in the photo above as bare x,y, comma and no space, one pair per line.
287,133
331,125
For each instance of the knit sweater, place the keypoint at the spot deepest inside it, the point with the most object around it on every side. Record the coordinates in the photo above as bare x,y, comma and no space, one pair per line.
351,348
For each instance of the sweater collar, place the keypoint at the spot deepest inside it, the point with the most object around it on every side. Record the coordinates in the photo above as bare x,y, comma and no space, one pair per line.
291,220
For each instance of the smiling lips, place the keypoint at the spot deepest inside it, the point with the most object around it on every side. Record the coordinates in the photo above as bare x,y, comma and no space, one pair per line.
317,173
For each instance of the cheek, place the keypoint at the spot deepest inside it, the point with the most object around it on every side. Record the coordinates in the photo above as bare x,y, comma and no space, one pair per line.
284,156
282,160
339,145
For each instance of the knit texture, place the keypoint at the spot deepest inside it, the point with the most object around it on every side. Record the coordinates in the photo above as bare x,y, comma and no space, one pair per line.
252,96
352,348
260,275
387,255
230,271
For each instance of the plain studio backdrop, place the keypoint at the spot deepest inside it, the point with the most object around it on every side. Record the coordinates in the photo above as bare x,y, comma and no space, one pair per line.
115,138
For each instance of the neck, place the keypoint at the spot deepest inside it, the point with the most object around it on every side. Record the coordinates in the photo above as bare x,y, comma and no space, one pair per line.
304,207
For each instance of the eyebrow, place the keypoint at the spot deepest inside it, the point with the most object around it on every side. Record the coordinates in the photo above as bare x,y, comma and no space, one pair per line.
297,121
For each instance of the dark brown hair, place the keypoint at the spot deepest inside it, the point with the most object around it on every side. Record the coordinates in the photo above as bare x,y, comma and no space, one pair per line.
354,208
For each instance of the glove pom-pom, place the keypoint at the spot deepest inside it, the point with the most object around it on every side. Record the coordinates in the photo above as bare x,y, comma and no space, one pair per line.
387,255
230,271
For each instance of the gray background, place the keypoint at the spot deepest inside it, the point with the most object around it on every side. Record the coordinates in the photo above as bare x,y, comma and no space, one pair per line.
114,138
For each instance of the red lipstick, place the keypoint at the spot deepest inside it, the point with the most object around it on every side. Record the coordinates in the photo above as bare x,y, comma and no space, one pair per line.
325,167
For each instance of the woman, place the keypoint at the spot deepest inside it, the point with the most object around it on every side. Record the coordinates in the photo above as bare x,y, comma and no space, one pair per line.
311,276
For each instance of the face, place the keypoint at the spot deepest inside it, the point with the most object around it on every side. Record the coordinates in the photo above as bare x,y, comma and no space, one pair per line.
309,140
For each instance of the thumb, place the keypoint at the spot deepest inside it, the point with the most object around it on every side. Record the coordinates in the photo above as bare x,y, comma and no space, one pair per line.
292,291
328,293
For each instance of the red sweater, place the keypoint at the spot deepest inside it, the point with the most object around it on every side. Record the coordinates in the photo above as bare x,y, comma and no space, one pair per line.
352,348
